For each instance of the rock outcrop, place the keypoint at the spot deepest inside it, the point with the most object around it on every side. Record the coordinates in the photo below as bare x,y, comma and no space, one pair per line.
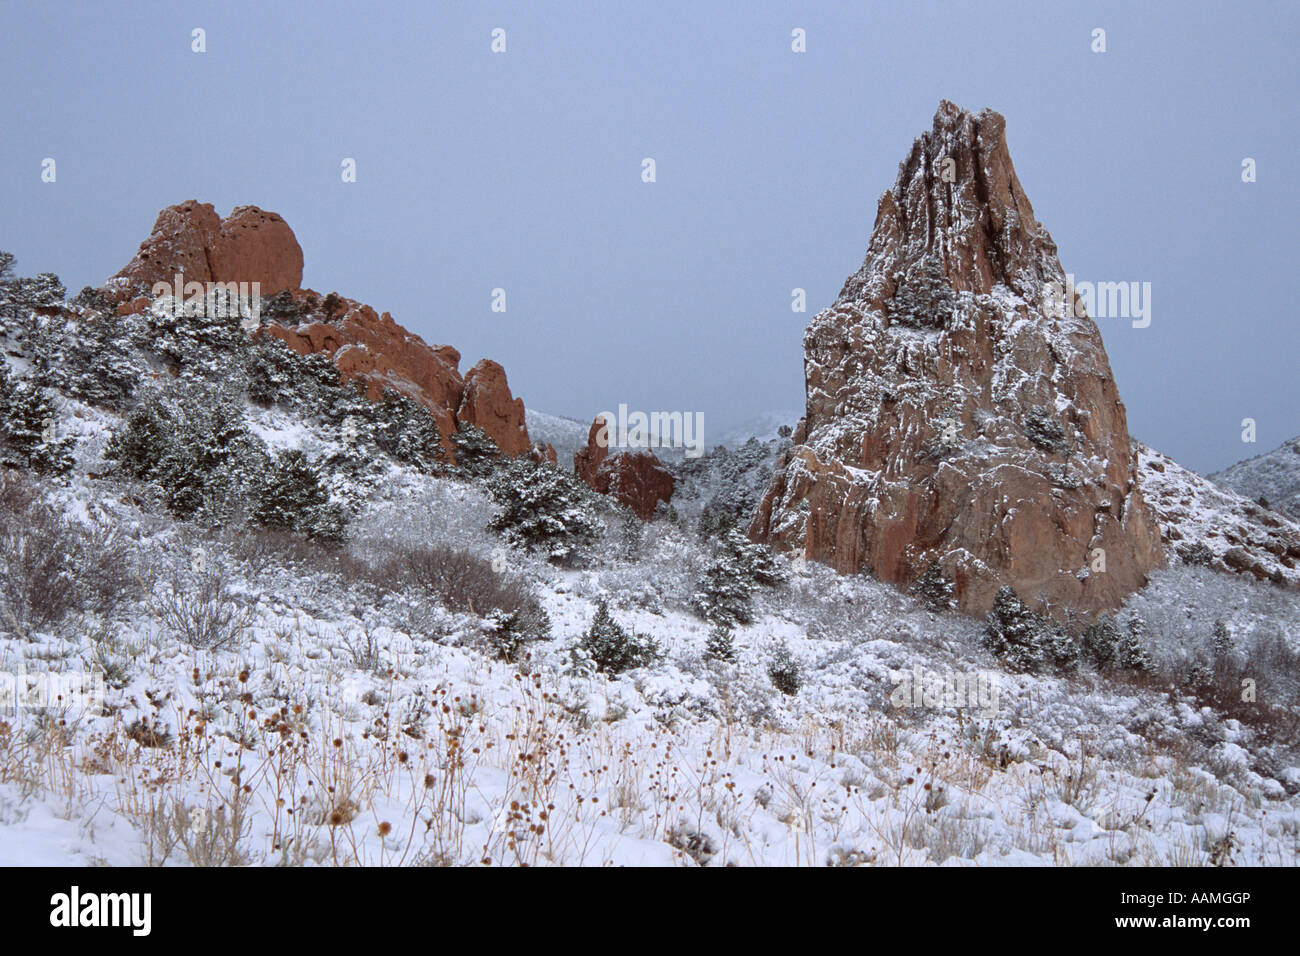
252,245
636,479
955,412
487,403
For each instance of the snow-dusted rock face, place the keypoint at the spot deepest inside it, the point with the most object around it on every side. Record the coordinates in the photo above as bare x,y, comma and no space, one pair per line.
954,412
1273,476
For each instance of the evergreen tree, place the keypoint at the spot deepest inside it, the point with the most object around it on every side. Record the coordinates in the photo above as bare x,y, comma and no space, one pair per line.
724,596
784,671
611,648
1023,640
476,453
295,499
192,442
721,644
544,509
408,432
28,424
1133,653
1222,641
933,588
1101,641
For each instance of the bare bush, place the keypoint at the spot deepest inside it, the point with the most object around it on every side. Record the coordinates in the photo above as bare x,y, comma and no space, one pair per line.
51,566
201,610
463,581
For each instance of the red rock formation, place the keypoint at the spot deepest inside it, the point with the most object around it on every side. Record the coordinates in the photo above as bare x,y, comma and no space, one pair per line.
636,479
487,403
587,460
952,414
250,246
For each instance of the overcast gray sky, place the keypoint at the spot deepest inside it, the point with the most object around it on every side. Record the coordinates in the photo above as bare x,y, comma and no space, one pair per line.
522,171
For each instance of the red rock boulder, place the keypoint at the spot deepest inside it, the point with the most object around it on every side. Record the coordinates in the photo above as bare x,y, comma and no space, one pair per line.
636,479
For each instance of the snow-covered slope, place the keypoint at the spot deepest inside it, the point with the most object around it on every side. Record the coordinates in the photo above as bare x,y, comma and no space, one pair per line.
1203,523
1273,476
565,435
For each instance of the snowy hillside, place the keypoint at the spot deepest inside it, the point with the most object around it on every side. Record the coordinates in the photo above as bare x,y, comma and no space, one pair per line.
320,643
565,435
1203,523
1273,476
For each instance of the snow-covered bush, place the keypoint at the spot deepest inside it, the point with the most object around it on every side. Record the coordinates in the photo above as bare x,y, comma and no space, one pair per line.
293,497
476,453
1026,641
933,588
785,671
27,428
738,568
50,566
721,644
544,509
191,440
1110,646
613,649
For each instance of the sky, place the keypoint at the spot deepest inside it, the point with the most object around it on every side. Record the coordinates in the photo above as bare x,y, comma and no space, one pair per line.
522,171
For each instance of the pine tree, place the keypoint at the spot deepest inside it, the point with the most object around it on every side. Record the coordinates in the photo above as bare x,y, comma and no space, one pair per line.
724,596
1133,652
28,428
611,648
192,442
933,588
1101,641
721,644
1222,641
784,671
476,453
1024,640
543,509
295,499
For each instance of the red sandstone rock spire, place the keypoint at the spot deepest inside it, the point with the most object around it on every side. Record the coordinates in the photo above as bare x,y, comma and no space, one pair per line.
949,416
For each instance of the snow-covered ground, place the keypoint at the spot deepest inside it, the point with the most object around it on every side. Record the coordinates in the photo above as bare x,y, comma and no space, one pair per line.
342,728
270,700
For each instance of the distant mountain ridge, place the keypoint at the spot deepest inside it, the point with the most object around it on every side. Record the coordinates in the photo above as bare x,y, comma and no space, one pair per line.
1273,476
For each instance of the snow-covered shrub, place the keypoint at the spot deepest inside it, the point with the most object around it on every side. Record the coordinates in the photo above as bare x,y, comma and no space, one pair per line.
509,633
933,588
1110,646
1045,431
923,299
1025,641
191,440
544,509
50,566
613,649
725,594
476,453
293,497
738,568
463,581
201,610
27,428
721,644
784,671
